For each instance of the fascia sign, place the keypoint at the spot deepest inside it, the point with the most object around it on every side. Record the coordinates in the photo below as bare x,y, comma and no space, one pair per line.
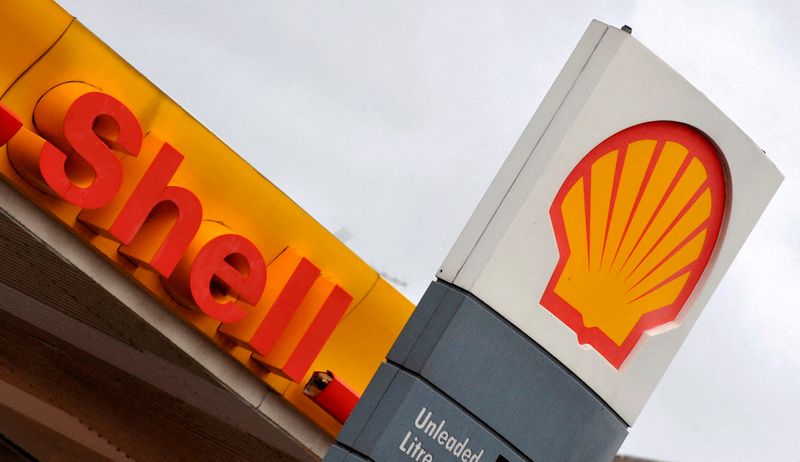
94,144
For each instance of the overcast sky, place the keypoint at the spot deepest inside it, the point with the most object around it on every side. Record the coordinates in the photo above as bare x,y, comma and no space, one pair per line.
390,118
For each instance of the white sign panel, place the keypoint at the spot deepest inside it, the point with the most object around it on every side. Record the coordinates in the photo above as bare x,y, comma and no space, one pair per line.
614,218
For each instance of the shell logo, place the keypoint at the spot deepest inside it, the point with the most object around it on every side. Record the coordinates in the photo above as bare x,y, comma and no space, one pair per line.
636,222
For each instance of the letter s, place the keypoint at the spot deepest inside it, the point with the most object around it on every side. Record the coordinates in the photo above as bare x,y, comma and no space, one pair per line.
78,119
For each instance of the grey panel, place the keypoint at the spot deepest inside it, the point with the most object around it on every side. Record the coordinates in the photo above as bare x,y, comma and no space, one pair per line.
336,454
516,388
429,337
366,405
413,421
339,454
383,412
353,457
416,324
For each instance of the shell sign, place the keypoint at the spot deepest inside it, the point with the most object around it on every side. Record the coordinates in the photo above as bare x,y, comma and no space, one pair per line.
614,218
95,145
636,222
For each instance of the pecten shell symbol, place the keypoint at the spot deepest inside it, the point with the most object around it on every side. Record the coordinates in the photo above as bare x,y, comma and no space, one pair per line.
636,222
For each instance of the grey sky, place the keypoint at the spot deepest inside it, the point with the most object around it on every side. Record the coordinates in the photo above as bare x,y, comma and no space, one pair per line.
390,119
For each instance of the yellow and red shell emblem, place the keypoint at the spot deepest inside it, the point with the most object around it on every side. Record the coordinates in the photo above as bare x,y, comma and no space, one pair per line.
635,222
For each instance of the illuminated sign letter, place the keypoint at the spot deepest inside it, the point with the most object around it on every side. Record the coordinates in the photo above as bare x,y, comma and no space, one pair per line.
152,207
313,323
84,126
290,278
219,269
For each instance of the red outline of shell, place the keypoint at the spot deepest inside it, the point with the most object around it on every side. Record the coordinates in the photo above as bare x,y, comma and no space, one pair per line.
661,131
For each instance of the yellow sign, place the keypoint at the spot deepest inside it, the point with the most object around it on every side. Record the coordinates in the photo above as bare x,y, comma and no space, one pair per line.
97,146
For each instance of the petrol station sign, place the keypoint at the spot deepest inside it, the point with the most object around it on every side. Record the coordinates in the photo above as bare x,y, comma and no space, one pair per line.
551,320
615,217
580,272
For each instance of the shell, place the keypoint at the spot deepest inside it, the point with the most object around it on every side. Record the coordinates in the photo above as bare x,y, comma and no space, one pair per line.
636,222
